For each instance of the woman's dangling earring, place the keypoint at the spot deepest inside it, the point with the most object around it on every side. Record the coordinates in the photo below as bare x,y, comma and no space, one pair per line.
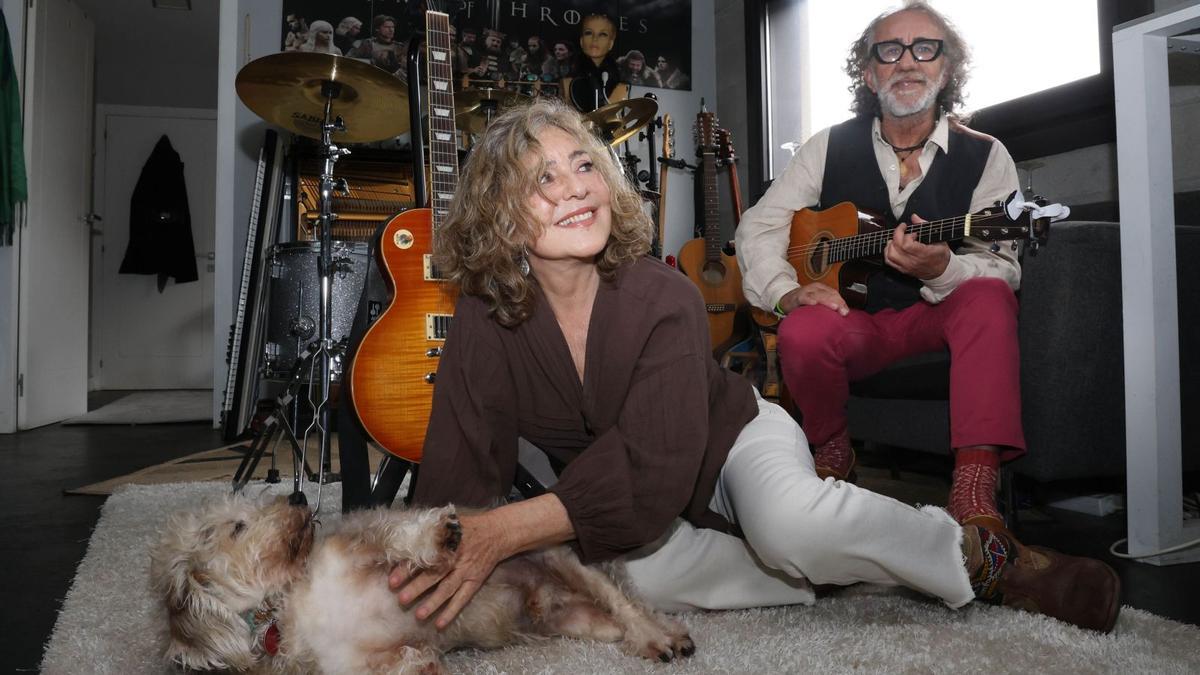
523,263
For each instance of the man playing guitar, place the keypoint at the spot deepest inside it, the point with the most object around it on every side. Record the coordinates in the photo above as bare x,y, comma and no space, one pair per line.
906,157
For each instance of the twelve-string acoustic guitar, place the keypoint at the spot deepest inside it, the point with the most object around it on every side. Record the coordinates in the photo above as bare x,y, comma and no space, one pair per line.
393,371
703,260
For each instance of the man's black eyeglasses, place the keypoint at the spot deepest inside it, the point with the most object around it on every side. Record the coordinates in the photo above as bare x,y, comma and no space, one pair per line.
923,49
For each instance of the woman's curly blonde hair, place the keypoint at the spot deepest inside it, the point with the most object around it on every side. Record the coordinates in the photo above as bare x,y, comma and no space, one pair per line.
489,226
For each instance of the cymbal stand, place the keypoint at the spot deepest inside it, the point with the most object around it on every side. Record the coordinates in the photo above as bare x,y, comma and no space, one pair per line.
490,111
323,349
649,176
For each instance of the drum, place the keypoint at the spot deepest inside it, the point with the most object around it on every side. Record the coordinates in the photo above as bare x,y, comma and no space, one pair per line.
294,309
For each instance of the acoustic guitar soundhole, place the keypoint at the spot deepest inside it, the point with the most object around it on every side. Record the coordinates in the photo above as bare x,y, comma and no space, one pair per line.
713,274
818,262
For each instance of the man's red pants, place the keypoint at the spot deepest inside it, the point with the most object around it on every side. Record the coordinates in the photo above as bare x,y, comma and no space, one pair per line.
821,352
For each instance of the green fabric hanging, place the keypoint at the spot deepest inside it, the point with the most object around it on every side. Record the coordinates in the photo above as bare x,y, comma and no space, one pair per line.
14,187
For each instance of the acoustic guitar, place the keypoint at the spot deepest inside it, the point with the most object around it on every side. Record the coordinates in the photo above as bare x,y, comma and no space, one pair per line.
842,246
715,273
393,370
729,157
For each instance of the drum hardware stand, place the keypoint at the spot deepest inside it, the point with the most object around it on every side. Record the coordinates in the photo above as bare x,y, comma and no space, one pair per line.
629,162
276,427
319,353
650,176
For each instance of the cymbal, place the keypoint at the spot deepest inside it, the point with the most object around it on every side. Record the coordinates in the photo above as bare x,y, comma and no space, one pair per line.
471,106
286,89
618,121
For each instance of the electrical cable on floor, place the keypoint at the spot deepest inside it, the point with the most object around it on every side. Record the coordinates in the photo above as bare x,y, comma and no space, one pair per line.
1127,556
1189,505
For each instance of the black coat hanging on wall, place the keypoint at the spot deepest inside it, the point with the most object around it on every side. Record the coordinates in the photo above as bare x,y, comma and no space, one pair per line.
160,226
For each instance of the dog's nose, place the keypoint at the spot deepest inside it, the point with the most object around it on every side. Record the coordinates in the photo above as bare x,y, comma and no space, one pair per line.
297,499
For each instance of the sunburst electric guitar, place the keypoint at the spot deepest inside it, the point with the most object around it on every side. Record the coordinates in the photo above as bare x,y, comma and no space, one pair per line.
714,272
393,371
842,246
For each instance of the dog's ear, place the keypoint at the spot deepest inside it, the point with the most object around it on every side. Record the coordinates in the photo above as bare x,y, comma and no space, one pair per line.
202,631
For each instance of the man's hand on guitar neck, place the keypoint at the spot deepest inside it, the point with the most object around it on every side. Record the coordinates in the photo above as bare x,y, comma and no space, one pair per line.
922,261
815,293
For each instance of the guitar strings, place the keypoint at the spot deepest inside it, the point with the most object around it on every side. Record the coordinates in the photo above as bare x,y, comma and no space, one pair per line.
879,239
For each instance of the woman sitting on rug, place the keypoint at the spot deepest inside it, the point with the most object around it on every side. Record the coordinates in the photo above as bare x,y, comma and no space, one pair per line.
568,335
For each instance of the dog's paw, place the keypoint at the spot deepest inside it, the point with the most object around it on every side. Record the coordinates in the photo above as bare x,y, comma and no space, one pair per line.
451,532
683,645
681,641
659,642
658,648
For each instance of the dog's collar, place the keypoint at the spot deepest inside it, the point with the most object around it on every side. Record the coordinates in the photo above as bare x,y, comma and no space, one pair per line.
256,619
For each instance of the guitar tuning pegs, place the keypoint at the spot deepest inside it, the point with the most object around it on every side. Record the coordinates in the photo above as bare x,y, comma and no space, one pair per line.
995,247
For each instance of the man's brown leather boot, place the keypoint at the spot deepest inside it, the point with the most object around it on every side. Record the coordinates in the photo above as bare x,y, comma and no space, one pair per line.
1081,591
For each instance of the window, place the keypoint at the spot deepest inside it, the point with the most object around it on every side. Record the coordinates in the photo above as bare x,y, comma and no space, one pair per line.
1018,47
1041,79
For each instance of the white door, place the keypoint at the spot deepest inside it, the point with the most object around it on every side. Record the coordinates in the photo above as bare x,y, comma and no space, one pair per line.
53,315
143,338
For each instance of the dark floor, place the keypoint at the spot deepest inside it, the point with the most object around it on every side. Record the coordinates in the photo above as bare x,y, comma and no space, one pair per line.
45,533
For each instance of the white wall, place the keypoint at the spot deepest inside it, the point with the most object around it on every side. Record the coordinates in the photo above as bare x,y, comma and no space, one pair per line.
240,134
14,16
155,57
731,106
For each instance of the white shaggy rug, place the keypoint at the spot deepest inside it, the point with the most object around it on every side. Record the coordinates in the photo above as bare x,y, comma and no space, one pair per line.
153,407
105,624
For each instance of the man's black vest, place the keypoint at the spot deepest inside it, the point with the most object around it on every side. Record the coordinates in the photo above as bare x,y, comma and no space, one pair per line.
852,175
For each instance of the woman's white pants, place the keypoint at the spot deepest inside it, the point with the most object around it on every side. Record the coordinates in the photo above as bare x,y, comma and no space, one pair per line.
799,530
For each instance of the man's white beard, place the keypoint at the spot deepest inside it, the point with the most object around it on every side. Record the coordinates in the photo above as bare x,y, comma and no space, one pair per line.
894,106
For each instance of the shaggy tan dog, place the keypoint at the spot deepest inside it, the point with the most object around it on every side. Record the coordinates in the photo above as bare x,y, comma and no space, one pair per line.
247,585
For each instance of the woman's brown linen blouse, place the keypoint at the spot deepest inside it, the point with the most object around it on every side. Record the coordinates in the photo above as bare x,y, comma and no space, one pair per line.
642,439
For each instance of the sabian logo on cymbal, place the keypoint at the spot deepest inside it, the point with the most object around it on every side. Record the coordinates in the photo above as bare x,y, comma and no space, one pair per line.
305,117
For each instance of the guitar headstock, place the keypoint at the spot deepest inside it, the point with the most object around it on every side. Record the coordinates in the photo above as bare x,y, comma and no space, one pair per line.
668,136
1041,228
706,132
998,223
725,146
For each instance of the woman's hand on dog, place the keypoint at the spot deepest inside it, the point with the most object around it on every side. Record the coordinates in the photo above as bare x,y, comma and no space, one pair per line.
487,539
481,549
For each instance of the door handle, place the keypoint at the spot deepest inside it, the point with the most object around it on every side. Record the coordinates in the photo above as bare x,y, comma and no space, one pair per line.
91,219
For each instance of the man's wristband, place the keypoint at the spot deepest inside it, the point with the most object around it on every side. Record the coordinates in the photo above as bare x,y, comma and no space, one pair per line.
779,310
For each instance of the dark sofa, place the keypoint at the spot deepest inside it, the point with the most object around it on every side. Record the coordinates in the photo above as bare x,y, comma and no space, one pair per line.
1072,355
